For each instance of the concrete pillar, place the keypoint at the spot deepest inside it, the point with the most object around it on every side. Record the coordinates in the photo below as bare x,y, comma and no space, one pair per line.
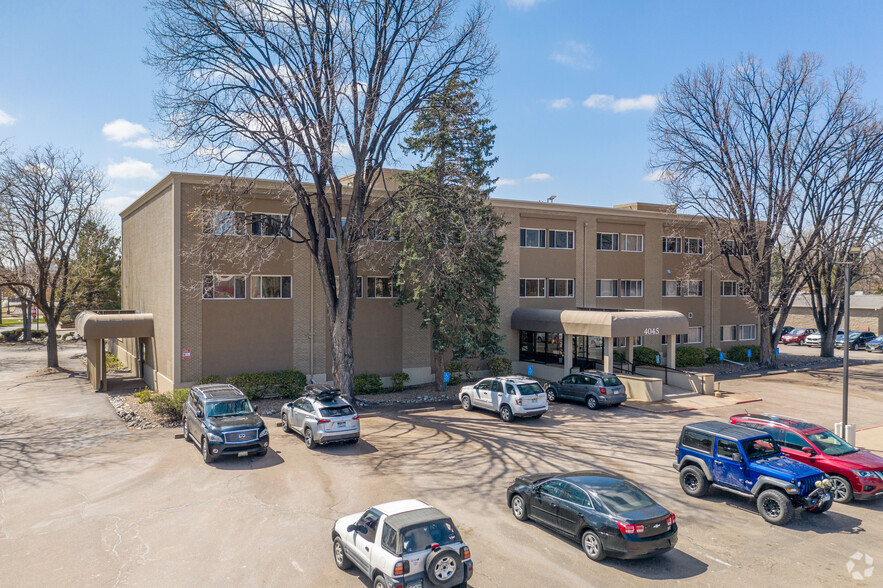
630,349
568,353
670,360
608,354
103,366
93,365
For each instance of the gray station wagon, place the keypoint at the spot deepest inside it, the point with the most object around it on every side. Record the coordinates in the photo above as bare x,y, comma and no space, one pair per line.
595,389
321,416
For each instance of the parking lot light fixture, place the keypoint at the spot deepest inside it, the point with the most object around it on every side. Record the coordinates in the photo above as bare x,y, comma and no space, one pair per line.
852,256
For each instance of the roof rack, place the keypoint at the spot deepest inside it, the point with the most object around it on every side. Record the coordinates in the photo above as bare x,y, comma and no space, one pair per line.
321,390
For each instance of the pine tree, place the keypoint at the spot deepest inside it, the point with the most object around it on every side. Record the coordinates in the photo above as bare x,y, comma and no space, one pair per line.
450,262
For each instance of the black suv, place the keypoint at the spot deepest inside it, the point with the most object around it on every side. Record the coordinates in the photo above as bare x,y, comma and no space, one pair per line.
222,421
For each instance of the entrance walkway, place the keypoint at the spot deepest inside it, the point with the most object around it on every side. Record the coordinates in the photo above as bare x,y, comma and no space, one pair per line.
679,400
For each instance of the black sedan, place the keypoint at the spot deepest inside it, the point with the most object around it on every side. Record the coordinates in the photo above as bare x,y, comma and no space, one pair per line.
607,514
875,344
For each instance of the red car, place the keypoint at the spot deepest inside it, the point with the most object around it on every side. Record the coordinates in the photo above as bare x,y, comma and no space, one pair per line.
855,473
797,336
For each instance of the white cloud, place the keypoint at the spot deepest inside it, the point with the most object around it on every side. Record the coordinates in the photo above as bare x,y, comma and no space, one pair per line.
522,4
560,103
608,102
531,178
505,182
143,143
6,119
538,177
659,175
123,130
573,54
117,204
130,169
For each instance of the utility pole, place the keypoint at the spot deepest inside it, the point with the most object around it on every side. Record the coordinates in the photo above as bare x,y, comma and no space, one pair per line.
842,428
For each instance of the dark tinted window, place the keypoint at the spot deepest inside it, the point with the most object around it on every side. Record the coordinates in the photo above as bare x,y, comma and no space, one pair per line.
484,385
336,411
423,536
760,448
369,521
388,539
728,449
569,379
554,488
624,497
793,440
611,381
575,495
696,440
497,386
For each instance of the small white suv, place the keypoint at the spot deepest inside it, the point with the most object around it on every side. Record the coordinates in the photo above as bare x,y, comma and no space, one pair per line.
403,544
511,396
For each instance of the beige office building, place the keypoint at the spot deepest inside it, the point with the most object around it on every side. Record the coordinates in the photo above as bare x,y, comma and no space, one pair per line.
559,257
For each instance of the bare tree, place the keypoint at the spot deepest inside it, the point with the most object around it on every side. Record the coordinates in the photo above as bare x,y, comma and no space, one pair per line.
279,88
847,207
46,195
736,144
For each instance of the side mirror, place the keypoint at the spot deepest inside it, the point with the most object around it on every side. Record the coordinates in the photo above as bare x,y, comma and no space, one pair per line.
737,457
808,450
350,528
199,414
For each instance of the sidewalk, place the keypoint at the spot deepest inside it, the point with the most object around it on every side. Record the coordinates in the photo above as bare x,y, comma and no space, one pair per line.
870,438
678,400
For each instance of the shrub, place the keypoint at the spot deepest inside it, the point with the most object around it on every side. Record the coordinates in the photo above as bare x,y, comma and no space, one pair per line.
740,353
282,383
113,362
367,384
689,357
645,355
210,380
499,365
398,381
144,395
455,368
12,335
170,406
619,356
712,355
38,334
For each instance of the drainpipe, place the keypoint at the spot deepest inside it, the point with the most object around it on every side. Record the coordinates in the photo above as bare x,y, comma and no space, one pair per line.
311,320
585,264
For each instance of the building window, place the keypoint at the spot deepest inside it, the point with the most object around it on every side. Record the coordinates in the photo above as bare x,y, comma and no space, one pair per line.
744,290
382,231
270,287
728,332
671,288
747,332
633,243
608,241
221,287
380,287
607,288
671,244
533,288
730,247
330,234
533,238
541,347
693,246
560,239
728,288
694,335
631,288
224,222
559,288
693,288
269,225
358,285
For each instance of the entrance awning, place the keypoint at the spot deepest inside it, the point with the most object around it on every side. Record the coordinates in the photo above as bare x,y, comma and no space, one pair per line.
119,324
600,323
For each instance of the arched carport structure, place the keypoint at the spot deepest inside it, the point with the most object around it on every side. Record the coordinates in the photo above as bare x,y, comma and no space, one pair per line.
97,326
605,323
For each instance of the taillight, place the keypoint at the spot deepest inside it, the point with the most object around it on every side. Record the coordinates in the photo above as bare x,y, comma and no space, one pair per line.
628,529
465,553
323,421
603,390
355,418
399,569
670,520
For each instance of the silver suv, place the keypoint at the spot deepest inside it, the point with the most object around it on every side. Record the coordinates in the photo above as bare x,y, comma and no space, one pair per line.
321,416
594,388
511,396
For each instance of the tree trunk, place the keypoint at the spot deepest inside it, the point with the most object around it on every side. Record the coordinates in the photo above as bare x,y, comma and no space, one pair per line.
827,346
26,321
51,342
342,350
767,353
438,362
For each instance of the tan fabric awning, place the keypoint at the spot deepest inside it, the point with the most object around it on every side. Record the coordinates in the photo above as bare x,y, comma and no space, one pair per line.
600,323
122,325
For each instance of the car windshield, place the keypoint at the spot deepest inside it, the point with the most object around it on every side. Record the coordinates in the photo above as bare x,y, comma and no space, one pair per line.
796,332
336,411
877,340
228,408
426,535
528,389
830,444
624,497
760,448
611,381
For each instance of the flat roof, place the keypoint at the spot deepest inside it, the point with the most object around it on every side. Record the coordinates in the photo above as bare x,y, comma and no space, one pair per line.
600,323
114,325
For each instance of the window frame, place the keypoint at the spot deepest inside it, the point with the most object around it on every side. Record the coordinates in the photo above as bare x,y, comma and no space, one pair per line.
677,283
540,232
623,239
392,288
570,283
240,218
735,332
284,225
622,288
615,288
570,239
735,285
615,236
701,242
741,327
541,287
701,335
281,287
678,240
687,284
232,277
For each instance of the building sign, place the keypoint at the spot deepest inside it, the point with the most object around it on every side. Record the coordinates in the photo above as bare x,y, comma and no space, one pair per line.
530,370
447,377
185,354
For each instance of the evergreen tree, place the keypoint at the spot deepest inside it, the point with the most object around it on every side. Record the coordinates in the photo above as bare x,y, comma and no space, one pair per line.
96,268
450,261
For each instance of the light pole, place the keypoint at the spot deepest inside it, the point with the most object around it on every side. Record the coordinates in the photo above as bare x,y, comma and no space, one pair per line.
847,433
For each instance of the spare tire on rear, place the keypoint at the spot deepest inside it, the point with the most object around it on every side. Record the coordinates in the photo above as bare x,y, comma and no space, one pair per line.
444,568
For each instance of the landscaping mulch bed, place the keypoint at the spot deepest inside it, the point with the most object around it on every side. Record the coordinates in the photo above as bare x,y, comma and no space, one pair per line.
787,362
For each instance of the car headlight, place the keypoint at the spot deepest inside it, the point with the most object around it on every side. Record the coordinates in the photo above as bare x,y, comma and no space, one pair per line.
264,433
865,474
213,437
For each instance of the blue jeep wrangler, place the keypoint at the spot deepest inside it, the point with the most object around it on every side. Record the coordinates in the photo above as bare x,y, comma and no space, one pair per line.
749,462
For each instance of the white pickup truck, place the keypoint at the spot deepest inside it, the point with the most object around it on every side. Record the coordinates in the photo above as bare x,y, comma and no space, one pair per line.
511,396
403,544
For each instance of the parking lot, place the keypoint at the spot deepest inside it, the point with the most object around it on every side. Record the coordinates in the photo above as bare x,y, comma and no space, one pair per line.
85,501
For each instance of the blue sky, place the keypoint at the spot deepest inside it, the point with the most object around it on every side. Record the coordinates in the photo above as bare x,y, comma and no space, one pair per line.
574,91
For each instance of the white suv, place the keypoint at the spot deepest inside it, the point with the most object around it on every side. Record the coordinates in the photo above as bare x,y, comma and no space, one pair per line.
406,544
511,396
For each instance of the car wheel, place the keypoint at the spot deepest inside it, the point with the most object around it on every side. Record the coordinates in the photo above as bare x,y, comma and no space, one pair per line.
506,414
551,394
592,546
842,489
379,582
340,558
821,508
466,402
308,438
775,507
285,426
693,482
592,402
186,431
443,566
519,507
206,452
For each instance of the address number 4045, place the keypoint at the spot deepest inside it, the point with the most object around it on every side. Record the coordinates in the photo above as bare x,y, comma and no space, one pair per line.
651,331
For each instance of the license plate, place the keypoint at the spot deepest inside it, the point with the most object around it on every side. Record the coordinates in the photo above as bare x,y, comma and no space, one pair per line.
417,584
341,424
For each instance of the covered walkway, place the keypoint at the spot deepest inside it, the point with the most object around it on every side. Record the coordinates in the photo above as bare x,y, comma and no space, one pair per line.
95,327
